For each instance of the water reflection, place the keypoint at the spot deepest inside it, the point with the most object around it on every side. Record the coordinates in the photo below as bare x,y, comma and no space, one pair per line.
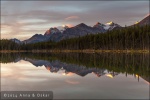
83,64
80,76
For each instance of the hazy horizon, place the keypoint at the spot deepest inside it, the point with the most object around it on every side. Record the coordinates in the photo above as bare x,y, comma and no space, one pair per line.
22,19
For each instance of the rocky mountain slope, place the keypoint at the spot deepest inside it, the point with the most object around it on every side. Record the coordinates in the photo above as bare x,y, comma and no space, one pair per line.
145,21
57,34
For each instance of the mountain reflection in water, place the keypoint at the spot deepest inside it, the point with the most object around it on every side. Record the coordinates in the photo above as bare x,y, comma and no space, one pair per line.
77,75
80,70
108,64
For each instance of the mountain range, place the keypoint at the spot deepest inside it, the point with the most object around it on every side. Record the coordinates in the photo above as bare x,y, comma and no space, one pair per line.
57,34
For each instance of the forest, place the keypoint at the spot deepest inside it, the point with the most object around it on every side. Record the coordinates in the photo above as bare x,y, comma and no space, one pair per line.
127,38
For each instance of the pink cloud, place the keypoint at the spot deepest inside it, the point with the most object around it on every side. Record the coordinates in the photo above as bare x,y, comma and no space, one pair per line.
72,17
72,82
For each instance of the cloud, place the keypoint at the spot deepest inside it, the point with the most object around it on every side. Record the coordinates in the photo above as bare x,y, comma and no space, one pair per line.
5,29
30,17
72,82
72,18
31,21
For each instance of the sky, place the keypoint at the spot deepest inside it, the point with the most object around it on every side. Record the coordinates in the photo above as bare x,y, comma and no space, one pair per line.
23,19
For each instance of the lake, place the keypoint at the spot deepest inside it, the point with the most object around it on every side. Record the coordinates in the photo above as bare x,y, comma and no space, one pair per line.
78,75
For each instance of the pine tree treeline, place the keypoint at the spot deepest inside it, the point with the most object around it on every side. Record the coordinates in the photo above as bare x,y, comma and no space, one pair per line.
135,37
9,45
126,38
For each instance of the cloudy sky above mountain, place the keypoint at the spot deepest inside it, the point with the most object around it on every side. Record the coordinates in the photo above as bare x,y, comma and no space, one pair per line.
22,19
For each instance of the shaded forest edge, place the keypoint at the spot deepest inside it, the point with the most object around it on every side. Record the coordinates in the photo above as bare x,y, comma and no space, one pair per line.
122,63
127,39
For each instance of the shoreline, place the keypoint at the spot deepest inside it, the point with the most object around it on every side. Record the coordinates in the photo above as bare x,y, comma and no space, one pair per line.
76,51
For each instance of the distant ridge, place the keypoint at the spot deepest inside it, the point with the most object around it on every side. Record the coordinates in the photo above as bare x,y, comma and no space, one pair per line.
145,21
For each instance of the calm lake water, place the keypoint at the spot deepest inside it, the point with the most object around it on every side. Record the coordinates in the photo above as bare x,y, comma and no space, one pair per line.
78,75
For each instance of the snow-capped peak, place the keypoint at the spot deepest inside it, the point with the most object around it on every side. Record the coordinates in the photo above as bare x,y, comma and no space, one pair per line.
110,23
62,28
136,22
52,31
